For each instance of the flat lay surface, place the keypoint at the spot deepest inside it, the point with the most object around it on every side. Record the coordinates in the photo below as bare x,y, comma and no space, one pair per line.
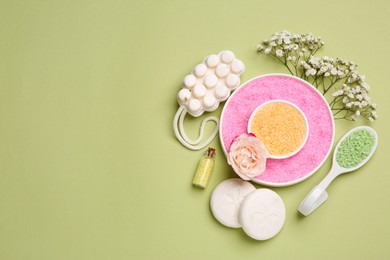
90,167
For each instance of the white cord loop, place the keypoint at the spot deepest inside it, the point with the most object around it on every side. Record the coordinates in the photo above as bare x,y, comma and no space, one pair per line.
182,136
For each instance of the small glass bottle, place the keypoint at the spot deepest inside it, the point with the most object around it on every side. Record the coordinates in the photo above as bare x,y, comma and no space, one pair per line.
205,168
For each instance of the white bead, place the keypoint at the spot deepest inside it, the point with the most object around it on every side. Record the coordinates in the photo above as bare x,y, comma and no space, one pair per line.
209,101
210,81
200,70
237,66
189,81
227,56
226,199
232,81
212,61
184,95
221,92
262,214
194,105
222,70
199,91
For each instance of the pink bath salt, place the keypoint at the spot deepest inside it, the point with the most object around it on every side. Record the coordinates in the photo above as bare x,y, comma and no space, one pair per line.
238,109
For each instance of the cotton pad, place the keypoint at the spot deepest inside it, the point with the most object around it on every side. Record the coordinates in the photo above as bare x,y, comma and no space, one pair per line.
226,199
262,214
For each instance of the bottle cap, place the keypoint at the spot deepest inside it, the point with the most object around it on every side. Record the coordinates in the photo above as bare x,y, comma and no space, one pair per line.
210,152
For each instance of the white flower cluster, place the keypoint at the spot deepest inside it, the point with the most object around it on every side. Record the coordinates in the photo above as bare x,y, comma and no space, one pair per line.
296,53
355,99
291,45
327,67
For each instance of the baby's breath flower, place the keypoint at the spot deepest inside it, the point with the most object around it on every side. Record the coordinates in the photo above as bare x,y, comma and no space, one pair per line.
365,86
279,53
350,89
357,112
338,93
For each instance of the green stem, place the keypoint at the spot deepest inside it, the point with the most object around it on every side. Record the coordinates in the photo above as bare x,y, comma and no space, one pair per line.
330,86
285,64
275,57
337,112
335,101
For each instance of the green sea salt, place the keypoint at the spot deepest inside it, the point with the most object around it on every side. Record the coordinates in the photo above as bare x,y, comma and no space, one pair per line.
355,148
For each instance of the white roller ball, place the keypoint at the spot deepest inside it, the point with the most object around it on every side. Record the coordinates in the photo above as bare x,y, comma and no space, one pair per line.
210,81
262,214
226,200
194,105
232,81
200,70
237,66
209,101
212,61
222,70
222,92
189,81
184,95
199,91
227,56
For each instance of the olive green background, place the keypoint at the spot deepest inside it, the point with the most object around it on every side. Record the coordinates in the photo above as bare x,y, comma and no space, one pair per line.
90,167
